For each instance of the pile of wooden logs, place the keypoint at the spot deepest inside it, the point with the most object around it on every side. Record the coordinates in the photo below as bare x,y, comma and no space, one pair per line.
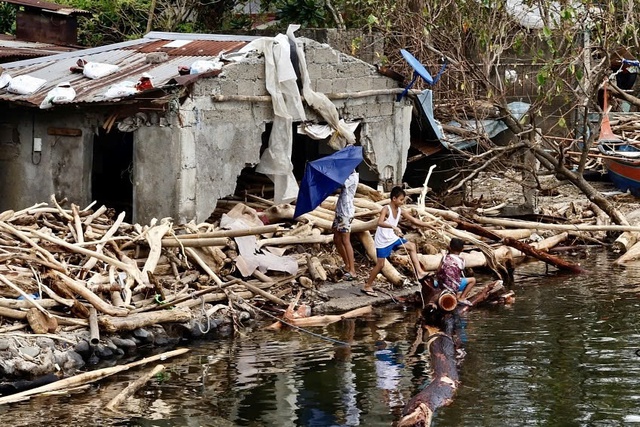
67,266
626,125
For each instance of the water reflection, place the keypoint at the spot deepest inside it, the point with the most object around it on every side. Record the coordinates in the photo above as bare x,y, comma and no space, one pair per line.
565,354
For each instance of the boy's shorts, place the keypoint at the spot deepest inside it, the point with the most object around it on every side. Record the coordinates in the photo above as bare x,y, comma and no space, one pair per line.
461,287
386,251
342,223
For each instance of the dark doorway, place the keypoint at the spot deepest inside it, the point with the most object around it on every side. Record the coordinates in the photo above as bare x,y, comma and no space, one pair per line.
111,178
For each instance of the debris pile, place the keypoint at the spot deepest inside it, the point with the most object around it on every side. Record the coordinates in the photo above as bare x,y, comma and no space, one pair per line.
100,286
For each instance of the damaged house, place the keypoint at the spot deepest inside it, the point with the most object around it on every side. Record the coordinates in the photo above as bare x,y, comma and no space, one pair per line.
169,122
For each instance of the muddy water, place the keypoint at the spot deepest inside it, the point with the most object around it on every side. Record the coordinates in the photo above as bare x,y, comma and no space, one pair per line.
567,353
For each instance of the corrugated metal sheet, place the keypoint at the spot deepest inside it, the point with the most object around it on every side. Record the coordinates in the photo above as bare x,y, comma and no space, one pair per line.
47,6
9,47
193,48
129,56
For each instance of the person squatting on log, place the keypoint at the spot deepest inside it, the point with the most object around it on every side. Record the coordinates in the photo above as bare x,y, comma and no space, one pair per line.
345,211
388,237
450,273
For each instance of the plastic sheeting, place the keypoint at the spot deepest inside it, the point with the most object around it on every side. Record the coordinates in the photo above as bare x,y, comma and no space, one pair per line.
319,101
251,258
281,83
287,105
320,132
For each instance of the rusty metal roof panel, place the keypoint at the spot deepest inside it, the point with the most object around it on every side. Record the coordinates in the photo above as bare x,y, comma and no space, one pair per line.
10,47
130,57
48,6
192,47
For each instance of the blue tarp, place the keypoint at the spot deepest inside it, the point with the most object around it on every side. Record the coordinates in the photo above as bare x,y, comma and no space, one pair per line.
489,127
324,176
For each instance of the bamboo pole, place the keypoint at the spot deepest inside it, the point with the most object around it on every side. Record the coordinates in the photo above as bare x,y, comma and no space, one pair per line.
195,242
204,266
561,227
229,233
93,299
94,331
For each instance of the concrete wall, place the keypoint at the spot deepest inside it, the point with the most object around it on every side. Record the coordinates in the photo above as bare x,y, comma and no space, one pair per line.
227,135
62,168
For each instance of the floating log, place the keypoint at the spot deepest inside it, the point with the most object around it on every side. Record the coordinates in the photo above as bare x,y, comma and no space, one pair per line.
443,386
133,387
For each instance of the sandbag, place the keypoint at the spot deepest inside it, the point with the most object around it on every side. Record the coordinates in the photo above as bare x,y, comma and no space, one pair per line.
96,70
63,93
121,90
5,79
204,66
25,85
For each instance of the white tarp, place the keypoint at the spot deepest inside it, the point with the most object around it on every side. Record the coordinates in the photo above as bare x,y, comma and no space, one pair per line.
281,83
287,105
319,101
320,132
250,256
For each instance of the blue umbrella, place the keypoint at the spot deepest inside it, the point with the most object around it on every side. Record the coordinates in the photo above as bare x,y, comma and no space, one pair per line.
324,176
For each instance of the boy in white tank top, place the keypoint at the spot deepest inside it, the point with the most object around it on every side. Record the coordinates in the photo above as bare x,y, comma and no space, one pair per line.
388,237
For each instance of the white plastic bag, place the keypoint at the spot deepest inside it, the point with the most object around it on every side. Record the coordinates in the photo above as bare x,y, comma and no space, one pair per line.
96,70
204,66
25,85
60,94
121,90
5,79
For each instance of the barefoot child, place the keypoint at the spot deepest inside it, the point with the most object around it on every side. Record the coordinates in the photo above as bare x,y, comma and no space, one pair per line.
341,226
450,274
387,237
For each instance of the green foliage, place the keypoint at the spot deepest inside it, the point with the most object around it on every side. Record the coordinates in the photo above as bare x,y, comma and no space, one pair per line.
111,21
7,18
307,13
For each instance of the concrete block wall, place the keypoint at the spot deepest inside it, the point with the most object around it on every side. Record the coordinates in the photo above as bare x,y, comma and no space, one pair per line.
63,167
217,139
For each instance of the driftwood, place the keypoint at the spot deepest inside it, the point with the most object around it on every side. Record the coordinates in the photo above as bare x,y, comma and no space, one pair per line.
39,323
132,388
88,377
521,246
140,320
322,320
315,269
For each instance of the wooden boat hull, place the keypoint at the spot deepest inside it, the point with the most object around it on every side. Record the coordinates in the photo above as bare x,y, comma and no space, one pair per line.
625,175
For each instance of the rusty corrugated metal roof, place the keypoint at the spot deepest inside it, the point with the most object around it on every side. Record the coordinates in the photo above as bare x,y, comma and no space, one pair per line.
193,48
10,47
131,58
49,7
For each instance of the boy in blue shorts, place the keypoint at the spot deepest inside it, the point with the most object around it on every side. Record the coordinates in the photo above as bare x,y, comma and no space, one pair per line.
388,237
450,274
